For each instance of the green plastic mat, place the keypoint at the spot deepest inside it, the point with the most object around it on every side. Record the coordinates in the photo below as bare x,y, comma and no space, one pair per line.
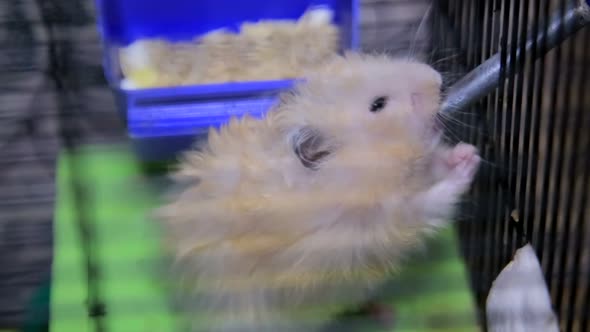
431,293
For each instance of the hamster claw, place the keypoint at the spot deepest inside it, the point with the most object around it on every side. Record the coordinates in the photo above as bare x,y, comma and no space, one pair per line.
464,161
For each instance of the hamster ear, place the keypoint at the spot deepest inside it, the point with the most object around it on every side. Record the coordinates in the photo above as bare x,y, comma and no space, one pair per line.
311,147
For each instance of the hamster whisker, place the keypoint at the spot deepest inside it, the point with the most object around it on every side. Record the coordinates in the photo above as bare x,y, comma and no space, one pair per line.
436,50
448,132
412,51
454,112
460,112
489,163
457,122
447,58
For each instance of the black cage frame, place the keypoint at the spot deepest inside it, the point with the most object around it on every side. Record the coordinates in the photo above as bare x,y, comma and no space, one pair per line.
533,132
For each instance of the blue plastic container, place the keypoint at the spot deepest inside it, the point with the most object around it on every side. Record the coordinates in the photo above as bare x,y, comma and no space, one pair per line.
165,121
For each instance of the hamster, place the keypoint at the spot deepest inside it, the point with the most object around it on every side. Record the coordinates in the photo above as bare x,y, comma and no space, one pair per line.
286,220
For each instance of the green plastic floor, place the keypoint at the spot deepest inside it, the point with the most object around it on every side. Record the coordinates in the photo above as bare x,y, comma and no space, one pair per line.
431,293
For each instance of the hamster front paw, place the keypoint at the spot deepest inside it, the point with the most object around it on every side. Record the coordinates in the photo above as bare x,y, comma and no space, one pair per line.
455,169
461,152
463,161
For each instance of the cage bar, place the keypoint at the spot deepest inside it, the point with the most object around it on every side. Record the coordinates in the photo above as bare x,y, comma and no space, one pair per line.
486,77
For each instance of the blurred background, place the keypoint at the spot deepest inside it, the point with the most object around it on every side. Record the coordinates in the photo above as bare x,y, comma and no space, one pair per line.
533,133
51,69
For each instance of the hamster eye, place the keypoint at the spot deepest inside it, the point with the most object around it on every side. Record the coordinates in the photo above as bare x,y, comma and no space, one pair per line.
378,104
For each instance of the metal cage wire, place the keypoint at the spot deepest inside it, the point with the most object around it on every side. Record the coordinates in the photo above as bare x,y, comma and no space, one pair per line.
532,131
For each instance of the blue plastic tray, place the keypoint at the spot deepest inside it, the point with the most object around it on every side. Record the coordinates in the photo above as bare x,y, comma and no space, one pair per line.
164,121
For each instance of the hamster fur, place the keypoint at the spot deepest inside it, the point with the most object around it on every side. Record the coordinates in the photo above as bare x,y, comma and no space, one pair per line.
312,206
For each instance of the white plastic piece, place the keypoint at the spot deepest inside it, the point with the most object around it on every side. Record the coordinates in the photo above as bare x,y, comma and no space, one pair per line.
137,54
126,84
320,15
519,300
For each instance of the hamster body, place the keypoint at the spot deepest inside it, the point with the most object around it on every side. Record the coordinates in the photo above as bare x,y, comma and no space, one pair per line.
310,207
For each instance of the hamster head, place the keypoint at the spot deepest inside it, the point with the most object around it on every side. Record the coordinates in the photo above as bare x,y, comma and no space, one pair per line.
370,110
